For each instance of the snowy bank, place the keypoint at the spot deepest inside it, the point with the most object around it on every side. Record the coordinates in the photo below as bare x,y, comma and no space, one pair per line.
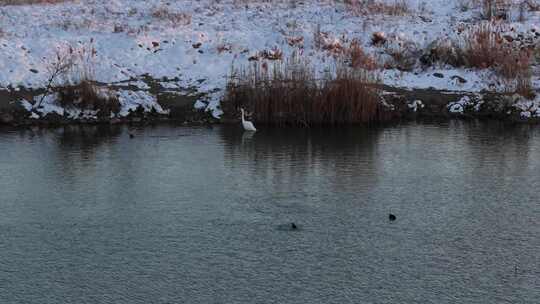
188,48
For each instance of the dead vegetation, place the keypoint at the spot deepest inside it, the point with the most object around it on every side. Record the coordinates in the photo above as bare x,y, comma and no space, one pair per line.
351,51
273,54
291,94
71,76
494,9
58,67
377,7
25,2
359,59
403,55
484,46
176,19
87,96
500,9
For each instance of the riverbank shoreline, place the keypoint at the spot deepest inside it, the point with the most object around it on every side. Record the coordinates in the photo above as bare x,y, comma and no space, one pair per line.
180,107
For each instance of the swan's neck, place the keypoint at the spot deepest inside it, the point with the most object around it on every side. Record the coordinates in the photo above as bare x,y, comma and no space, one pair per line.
242,110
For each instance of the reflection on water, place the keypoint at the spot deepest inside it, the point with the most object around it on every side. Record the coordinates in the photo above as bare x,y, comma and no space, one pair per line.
197,215
309,155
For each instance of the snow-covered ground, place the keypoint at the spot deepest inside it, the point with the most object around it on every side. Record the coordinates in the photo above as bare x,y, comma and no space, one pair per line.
196,43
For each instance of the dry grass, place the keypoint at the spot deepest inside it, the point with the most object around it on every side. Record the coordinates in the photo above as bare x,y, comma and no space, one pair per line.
375,7
352,51
494,9
72,77
486,48
224,47
515,64
403,54
87,96
273,54
72,74
177,19
295,41
483,45
359,59
445,52
515,70
290,94
25,2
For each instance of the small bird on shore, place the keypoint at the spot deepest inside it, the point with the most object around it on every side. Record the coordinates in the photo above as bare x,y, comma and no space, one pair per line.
293,226
391,217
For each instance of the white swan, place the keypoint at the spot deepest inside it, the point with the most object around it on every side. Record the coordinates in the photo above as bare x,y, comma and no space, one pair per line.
248,125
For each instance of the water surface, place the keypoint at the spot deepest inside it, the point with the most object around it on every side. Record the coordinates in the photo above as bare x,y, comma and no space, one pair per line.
197,215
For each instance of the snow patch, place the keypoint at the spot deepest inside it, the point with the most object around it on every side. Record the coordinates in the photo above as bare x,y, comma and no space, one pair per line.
415,105
130,101
199,105
528,108
459,106
26,105
49,104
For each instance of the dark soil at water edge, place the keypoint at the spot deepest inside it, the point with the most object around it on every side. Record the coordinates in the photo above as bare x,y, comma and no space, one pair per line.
350,99
430,103
178,103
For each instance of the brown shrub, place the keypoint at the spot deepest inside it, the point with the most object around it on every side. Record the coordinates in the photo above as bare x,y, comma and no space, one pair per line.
333,46
486,48
359,59
515,69
494,9
87,96
375,7
514,64
403,55
25,2
176,18
378,38
224,47
290,94
442,51
273,54
483,45
297,41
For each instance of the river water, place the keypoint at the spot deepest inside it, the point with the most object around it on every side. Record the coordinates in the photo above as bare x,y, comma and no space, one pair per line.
199,215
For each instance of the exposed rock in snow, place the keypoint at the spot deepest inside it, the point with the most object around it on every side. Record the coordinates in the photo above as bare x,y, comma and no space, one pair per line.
415,105
458,107
528,108
525,114
130,101
200,105
27,105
